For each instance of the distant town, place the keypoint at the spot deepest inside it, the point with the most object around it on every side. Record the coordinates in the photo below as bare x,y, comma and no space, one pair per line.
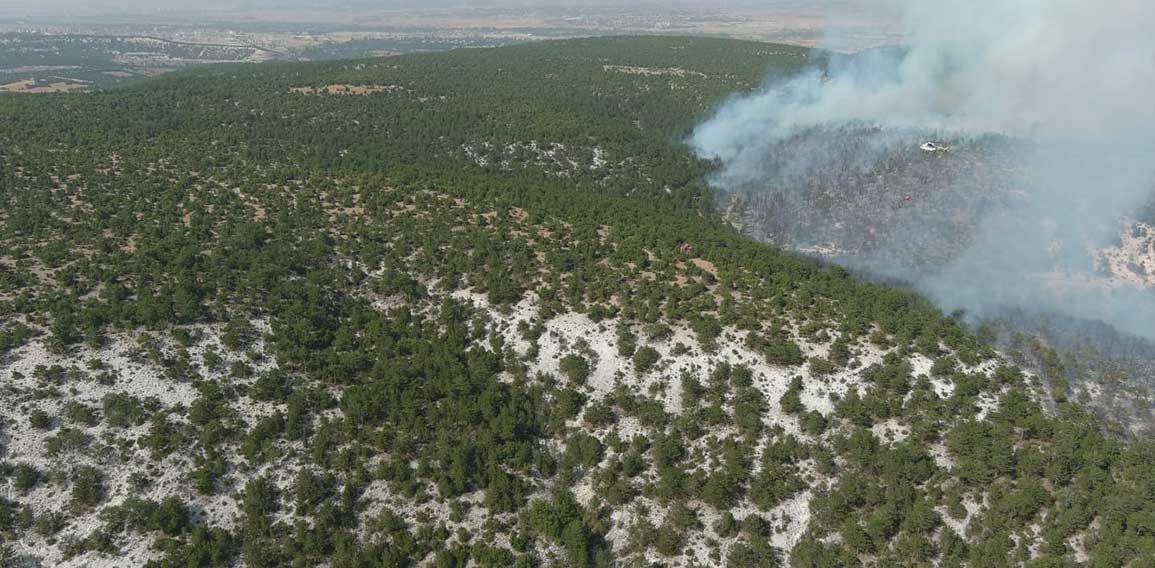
43,54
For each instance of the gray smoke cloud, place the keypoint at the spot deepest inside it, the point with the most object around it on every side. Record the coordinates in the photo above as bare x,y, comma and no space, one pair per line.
1069,83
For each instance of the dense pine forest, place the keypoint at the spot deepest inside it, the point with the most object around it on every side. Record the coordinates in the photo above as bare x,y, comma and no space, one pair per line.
475,308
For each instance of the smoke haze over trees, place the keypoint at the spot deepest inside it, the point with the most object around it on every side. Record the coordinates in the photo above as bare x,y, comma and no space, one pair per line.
1067,82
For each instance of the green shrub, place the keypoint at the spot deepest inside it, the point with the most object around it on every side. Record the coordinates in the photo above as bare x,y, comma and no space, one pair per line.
791,400
40,420
820,366
87,487
25,476
123,411
574,368
645,358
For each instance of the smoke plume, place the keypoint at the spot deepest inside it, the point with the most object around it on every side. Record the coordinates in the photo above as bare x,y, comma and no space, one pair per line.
1048,108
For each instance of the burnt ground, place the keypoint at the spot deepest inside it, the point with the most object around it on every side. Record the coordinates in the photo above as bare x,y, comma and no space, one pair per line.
842,195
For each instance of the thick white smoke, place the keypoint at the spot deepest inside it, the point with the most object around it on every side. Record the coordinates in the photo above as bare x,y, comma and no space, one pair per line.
1073,80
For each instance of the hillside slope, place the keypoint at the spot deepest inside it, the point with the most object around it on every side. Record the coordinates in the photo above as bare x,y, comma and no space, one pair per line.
872,200
304,315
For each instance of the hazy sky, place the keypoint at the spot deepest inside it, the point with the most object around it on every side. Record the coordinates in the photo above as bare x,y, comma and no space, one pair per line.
11,8
150,5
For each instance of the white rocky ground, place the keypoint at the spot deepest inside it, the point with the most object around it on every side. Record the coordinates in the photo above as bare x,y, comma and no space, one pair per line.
609,368
1132,261
126,359
554,158
122,367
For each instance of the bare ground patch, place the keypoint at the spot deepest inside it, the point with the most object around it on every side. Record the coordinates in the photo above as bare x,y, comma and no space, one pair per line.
347,89
33,86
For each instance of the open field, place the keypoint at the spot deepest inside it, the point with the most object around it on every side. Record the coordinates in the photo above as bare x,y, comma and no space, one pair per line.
33,86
